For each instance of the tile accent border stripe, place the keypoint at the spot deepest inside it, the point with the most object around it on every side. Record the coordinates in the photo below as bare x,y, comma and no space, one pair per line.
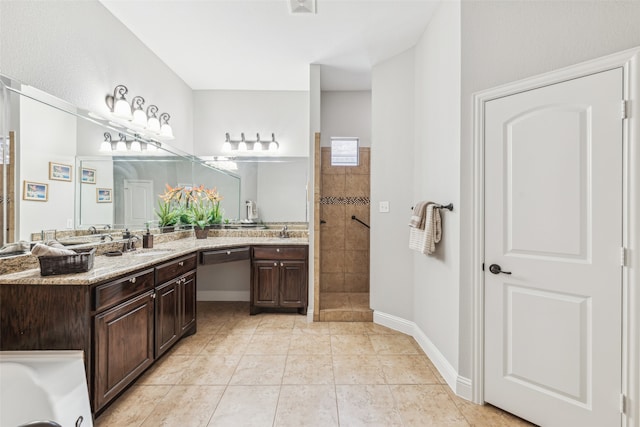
334,200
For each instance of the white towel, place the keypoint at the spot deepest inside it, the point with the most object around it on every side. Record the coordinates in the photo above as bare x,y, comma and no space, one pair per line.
424,241
45,250
419,216
433,229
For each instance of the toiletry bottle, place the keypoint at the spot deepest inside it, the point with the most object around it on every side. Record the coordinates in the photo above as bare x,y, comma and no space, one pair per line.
147,239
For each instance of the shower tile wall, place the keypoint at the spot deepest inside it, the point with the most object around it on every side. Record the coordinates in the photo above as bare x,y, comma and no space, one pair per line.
344,243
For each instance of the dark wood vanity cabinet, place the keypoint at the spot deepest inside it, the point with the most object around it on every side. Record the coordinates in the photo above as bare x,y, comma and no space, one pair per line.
124,337
279,278
123,333
175,301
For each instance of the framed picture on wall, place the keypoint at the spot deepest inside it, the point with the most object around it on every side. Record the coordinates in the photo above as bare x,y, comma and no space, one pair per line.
103,195
59,171
35,191
88,176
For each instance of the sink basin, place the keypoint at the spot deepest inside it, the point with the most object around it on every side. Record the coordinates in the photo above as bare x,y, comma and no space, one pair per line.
151,252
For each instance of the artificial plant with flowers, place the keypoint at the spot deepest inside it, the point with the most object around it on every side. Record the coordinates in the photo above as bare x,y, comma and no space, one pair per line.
202,206
168,211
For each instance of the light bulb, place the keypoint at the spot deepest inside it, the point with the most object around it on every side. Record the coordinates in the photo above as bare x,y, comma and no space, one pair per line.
122,109
153,124
166,131
139,118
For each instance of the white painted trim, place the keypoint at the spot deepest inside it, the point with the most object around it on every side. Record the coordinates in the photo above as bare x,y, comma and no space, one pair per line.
394,322
629,61
461,386
222,296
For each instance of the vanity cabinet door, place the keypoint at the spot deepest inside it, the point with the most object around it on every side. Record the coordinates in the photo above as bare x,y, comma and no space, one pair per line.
266,279
123,346
167,315
293,284
187,292
279,278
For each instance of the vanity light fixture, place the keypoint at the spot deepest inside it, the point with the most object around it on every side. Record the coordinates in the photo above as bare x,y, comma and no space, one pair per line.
226,147
121,145
153,124
273,145
257,146
244,145
139,116
165,128
133,116
118,103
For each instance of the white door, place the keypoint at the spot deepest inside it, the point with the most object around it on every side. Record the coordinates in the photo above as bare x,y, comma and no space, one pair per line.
138,202
553,221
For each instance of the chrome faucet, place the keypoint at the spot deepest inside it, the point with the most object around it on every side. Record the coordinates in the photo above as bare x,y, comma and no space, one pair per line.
104,238
92,230
284,233
130,244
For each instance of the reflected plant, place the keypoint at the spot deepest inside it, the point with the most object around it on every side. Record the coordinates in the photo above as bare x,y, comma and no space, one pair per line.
168,206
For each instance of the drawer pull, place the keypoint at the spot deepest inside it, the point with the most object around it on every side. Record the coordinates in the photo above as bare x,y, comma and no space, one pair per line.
132,280
181,263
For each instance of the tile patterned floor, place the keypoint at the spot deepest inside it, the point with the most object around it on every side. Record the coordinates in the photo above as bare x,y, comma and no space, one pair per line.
279,370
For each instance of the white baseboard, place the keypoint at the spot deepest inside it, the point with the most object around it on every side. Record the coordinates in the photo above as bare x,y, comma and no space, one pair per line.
222,296
460,385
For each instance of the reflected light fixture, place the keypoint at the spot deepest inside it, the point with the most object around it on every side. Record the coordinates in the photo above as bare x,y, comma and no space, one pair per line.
139,116
106,144
165,128
119,106
122,144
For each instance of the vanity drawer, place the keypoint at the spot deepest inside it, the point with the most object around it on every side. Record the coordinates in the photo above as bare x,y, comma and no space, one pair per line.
111,293
225,255
175,268
279,252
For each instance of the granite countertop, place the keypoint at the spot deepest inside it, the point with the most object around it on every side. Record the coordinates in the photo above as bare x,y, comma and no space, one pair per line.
107,267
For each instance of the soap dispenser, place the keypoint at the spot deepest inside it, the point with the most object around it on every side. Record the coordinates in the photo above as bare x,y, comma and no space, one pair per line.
147,239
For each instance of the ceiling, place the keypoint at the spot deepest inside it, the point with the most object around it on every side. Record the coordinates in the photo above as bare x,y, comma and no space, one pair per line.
260,45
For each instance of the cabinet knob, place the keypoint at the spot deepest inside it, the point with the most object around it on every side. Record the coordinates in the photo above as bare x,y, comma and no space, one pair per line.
181,263
132,280
282,264
278,250
153,295
228,252
275,264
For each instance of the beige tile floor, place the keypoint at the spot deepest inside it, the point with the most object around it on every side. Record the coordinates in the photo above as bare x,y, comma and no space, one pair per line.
279,370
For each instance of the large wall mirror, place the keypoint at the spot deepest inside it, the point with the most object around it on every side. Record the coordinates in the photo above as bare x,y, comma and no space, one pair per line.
54,176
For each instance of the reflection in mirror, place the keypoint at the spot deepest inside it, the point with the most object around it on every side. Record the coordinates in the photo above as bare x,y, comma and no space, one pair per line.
38,128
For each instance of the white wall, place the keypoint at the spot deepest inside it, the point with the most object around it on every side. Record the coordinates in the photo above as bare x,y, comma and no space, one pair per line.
78,51
346,113
57,128
525,38
285,113
391,271
436,177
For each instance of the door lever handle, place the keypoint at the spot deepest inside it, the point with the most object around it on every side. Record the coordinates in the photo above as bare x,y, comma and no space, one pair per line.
496,269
